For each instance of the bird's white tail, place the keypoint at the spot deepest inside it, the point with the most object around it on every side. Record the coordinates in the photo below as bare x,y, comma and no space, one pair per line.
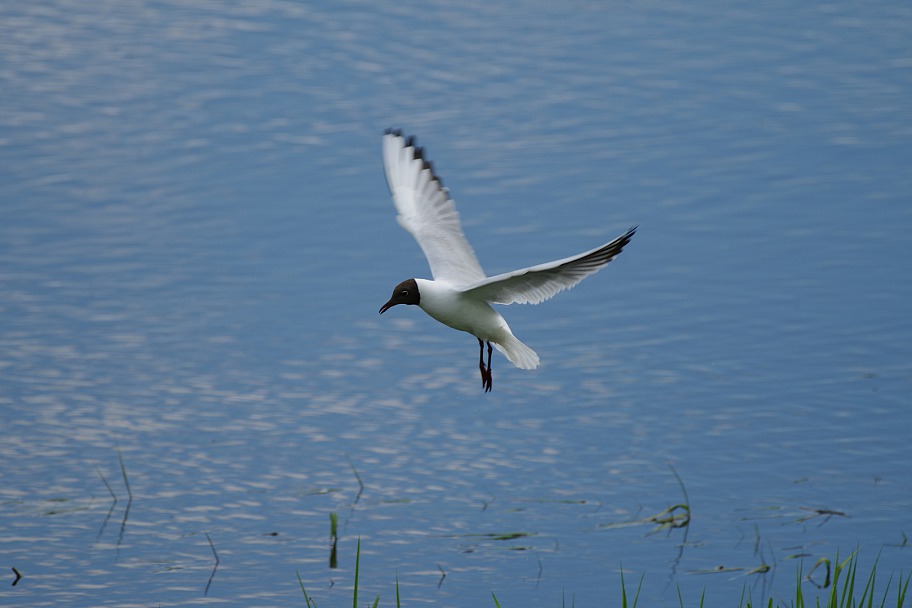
518,353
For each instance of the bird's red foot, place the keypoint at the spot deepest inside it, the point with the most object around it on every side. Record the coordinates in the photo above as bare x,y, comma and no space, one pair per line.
487,378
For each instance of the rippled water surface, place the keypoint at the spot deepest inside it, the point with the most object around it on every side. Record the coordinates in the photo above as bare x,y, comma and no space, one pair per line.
195,237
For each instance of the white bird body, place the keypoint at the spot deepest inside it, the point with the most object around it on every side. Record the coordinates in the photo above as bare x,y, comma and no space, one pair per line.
456,308
460,294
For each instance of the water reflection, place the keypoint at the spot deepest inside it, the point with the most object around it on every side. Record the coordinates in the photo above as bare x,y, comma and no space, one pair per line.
194,234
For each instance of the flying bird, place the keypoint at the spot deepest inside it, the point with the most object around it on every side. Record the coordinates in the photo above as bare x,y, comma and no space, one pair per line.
460,294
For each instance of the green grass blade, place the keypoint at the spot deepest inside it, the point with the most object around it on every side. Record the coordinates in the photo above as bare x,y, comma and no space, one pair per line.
848,585
901,594
310,602
357,568
623,589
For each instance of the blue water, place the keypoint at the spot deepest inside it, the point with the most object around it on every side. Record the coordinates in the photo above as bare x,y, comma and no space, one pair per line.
195,237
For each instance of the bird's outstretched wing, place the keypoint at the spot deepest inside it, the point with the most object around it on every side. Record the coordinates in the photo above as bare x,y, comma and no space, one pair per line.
427,211
539,283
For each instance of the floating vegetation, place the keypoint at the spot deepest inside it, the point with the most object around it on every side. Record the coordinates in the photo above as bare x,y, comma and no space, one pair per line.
358,477
675,516
496,536
126,513
903,544
827,514
214,567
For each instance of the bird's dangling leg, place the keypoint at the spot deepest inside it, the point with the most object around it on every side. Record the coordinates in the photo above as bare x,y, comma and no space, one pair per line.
485,371
490,375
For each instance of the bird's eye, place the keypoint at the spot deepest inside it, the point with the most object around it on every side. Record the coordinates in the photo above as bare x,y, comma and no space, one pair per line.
404,292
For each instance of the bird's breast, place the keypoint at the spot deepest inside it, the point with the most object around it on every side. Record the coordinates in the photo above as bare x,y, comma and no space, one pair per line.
451,307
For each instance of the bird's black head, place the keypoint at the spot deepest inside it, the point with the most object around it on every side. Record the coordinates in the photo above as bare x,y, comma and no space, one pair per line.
405,292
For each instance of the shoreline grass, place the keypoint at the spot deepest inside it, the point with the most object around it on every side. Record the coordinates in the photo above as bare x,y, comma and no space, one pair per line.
838,591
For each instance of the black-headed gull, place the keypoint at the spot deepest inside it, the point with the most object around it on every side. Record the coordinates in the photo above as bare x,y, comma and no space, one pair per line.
460,295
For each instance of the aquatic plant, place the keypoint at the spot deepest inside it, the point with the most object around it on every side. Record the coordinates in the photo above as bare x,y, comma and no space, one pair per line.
840,583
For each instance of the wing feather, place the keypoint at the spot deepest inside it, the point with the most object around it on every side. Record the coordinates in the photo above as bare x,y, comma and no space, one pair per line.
427,211
542,282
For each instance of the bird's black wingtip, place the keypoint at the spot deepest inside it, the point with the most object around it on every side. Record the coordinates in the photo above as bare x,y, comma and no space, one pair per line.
418,151
625,238
410,141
